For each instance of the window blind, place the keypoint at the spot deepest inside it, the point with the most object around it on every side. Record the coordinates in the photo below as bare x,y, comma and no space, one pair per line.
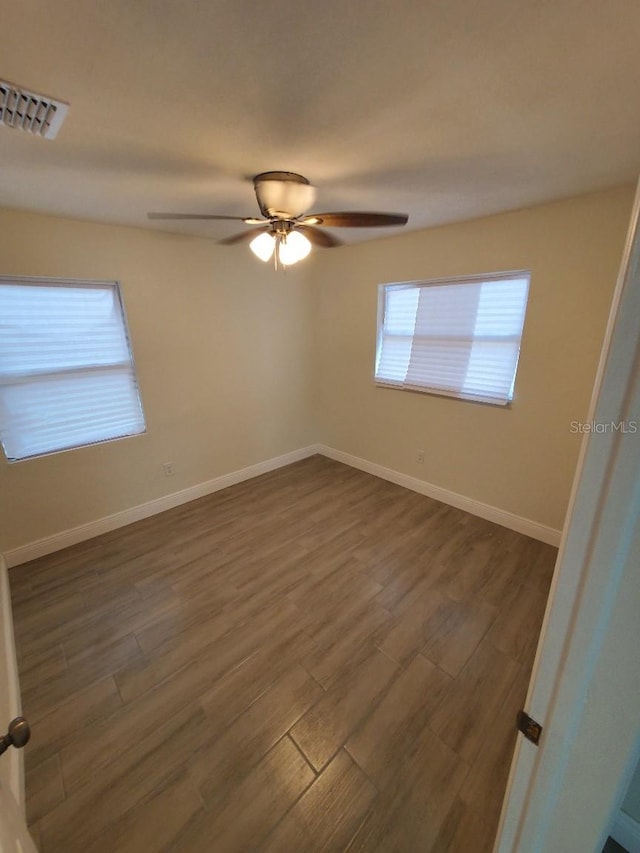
66,372
459,338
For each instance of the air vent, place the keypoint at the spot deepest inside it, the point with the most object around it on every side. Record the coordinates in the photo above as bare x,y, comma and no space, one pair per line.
25,110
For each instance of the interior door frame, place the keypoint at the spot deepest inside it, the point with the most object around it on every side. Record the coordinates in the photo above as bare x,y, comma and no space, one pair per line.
596,570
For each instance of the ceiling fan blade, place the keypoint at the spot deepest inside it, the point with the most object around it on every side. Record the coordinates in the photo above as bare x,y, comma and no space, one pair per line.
243,237
319,237
355,219
248,219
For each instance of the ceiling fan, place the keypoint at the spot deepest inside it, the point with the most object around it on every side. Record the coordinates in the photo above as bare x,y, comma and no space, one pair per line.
286,231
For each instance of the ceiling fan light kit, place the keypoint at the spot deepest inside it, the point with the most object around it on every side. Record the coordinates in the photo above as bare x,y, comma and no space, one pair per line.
289,233
289,247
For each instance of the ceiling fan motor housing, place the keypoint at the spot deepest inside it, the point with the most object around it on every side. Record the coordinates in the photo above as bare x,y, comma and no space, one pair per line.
283,195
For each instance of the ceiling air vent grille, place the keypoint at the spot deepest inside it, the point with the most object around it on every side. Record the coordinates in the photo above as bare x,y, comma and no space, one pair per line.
25,110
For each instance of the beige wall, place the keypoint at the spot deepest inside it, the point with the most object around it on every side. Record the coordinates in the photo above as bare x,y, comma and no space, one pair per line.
223,350
520,459
221,345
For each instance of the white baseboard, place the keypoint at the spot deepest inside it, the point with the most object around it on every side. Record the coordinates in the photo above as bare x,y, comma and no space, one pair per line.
626,832
499,516
74,535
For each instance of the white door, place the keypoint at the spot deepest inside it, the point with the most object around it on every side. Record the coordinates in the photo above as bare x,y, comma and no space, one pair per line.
14,836
585,684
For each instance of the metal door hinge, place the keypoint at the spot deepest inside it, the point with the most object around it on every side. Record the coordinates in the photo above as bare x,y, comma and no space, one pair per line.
529,727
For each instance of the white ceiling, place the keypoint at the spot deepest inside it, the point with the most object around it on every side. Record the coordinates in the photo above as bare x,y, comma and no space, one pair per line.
445,109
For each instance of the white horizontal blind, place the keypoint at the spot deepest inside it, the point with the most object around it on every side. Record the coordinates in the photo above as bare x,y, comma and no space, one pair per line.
459,338
66,372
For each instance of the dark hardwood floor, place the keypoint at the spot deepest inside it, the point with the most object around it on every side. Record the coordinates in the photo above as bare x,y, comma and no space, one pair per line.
315,659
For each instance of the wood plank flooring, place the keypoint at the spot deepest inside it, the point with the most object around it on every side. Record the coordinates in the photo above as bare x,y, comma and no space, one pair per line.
312,660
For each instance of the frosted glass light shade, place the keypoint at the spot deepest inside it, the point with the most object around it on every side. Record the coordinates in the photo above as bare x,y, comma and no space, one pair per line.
293,249
263,245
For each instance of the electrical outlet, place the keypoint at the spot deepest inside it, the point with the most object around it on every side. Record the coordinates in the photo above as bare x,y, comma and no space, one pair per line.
419,455
169,470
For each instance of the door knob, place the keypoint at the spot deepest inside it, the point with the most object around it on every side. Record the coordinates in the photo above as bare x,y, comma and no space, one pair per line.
18,735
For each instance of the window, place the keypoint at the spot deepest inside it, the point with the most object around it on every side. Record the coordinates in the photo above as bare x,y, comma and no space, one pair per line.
457,337
66,372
